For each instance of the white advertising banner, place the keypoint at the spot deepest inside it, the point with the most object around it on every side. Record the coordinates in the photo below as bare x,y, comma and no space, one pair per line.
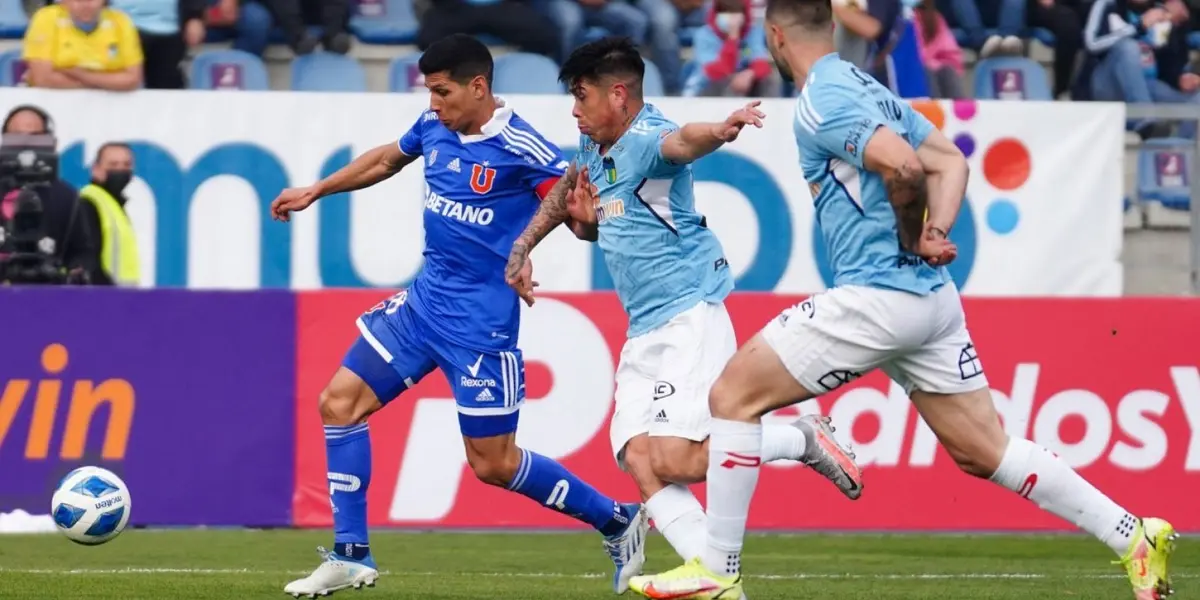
1043,215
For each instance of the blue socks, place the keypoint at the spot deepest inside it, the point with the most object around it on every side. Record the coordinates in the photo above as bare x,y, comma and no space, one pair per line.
348,452
548,483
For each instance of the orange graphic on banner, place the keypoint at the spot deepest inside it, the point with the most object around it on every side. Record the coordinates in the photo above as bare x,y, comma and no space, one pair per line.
86,398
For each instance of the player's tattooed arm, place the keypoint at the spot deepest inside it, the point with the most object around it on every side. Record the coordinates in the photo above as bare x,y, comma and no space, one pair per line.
372,167
550,214
890,155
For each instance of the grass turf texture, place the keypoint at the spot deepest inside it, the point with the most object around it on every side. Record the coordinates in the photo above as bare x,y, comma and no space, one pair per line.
234,564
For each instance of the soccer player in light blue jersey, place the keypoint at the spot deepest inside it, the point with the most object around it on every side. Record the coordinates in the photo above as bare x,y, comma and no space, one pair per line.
486,171
633,194
875,166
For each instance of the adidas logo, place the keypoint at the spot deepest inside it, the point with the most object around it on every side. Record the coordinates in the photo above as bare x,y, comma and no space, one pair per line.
485,396
661,417
455,166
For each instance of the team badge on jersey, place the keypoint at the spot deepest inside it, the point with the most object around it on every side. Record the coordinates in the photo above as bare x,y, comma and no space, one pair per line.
610,169
482,178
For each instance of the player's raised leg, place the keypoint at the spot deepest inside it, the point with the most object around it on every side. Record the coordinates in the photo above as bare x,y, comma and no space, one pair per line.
381,363
489,389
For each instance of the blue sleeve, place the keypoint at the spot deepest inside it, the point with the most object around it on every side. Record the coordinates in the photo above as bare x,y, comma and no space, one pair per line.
837,123
645,146
916,126
537,173
410,142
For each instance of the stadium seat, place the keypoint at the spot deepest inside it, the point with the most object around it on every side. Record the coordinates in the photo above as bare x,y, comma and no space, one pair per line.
1042,35
13,20
326,72
228,70
652,83
1162,172
12,69
524,73
384,21
1193,40
403,75
1011,78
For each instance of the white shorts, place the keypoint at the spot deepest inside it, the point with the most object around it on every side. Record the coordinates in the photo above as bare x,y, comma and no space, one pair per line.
839,335
665,374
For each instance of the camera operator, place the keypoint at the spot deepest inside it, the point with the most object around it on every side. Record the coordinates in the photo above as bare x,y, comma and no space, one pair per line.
112,171
65,217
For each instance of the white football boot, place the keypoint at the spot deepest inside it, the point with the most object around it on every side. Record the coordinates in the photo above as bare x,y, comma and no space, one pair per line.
334,573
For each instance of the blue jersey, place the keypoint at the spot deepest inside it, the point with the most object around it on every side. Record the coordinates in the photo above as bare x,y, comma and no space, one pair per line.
662,257
481,191
838,111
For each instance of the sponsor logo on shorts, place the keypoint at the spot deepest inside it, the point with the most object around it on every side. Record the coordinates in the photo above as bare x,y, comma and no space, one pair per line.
836,379
663,389
661,417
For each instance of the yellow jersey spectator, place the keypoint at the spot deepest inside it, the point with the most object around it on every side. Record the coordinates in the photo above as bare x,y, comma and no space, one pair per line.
82,44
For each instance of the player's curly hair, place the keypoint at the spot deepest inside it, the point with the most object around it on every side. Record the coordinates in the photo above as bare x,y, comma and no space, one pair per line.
615,58
461,56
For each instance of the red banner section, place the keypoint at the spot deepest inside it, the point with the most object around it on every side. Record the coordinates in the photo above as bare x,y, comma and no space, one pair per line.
1111,386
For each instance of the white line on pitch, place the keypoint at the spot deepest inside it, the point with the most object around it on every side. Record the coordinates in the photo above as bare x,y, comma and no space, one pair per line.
777,577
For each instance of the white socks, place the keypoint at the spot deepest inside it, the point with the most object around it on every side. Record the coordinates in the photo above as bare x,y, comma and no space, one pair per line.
734,457
678,515
1034,473
782,441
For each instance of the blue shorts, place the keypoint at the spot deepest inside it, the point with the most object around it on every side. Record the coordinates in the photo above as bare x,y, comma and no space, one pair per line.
396,349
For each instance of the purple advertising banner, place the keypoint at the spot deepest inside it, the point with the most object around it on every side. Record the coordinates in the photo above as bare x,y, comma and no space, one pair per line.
188,396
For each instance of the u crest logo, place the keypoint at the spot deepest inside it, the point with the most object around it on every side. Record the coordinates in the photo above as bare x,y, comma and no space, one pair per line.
482,178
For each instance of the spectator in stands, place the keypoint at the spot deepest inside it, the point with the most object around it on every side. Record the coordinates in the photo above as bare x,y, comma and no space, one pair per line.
514,22
731,55
573,16
112,171
1139,53
940,53
294,17
864,32
1007,17
65,218
167,28
1063,19
82,44
666,17
251,21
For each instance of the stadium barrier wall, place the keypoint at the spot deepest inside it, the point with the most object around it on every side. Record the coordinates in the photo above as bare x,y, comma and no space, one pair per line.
1043,216
205,403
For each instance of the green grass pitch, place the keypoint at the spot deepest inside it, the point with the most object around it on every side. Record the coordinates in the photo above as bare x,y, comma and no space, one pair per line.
236,564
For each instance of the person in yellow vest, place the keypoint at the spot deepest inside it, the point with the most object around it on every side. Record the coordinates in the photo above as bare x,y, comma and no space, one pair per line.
113,171
82,44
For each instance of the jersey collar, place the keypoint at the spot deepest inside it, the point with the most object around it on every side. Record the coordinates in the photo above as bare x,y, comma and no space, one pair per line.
494,126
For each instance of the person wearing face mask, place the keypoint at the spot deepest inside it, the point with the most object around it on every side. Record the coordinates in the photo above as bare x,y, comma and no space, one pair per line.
66,220
81,44
731,55
112,171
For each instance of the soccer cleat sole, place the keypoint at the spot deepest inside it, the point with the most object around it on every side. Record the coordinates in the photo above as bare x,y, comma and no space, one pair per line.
823,429
357,586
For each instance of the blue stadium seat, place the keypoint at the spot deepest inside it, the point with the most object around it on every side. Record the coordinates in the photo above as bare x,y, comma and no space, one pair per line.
1193,40
1011,78
403,75
13,20
652,83
1042,35
524,73
228,70
384,21
1163,172
11,68
326,72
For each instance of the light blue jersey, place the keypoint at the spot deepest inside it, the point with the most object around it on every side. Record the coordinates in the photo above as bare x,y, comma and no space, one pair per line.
662,257
838,111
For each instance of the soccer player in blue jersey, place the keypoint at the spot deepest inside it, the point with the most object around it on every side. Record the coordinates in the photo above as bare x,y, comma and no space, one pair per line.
486,170
630,189
875,167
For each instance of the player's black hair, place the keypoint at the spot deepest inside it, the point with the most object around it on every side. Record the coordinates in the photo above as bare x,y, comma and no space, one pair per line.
461,56
813,15
613,57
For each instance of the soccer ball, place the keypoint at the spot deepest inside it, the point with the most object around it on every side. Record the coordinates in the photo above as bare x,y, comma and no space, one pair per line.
90,506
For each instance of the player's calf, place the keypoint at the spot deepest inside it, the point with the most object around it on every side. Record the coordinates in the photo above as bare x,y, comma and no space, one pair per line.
678,460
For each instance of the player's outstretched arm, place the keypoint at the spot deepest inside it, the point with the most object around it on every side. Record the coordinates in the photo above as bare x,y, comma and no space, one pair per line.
373,166
552,212
696,140
890,155
947,173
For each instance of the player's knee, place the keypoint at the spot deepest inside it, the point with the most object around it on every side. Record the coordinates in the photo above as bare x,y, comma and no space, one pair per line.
679,461
497,470
728,400
339,408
